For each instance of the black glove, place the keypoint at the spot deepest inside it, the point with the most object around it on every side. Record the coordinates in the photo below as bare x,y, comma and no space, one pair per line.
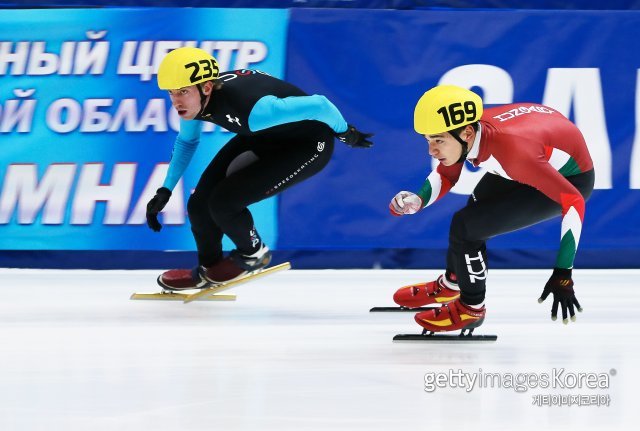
354,138
155,205
561,285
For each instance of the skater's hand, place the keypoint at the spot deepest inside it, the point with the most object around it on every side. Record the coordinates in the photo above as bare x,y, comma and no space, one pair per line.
155,205
405,203
355,138
561,285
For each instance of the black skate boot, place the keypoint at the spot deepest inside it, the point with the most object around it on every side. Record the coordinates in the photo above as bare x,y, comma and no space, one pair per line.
237,265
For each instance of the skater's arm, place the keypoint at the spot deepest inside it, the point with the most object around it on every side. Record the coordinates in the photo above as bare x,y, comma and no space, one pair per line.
185,146
549,181
272,111
439,182
555,186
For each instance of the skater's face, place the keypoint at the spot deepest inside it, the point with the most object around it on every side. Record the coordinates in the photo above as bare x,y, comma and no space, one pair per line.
444,148
187,100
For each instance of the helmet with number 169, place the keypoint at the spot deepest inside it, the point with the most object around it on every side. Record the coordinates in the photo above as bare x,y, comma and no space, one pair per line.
444,108
186,66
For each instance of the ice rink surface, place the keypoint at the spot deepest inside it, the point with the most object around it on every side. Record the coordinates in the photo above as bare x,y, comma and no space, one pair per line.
299,350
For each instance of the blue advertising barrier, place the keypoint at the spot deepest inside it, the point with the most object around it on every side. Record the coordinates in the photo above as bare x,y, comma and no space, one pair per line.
86,135
370,4
376,65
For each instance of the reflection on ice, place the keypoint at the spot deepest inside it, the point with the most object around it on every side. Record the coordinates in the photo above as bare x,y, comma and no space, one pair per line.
300,350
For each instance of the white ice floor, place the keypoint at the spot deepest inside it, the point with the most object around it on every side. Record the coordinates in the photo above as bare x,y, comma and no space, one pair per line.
299,351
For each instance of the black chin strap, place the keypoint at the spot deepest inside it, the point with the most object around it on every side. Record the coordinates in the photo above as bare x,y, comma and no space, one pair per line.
465,148
203,98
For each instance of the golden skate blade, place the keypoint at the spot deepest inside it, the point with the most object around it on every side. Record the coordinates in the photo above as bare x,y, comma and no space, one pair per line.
178,296
224,286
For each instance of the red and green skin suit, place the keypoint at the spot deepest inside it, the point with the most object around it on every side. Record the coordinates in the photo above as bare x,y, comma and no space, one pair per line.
538,166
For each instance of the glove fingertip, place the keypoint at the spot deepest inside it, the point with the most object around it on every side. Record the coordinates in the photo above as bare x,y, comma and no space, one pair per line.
554,318
573,318
565,321
580,309
540,300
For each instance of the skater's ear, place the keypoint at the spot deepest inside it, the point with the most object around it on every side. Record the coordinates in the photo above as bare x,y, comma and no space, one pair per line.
207,87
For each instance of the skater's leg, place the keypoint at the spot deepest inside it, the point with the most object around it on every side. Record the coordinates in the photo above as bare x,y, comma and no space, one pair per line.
206,232
271,173
497,206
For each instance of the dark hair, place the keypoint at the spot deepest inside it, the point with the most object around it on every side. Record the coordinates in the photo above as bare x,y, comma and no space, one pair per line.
217,84
459,130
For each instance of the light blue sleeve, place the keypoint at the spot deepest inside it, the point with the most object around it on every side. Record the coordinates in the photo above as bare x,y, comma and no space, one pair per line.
272,111
183,149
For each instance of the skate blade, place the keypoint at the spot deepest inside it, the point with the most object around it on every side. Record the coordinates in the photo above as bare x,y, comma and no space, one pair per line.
444,338
224,286
402,309
178,296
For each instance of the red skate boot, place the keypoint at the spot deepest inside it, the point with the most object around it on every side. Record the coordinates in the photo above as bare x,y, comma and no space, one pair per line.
183,279
237,265
434,292
451,317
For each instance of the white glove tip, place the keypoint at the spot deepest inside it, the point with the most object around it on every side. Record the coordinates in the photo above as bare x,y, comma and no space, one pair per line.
540,300
573,318
565,321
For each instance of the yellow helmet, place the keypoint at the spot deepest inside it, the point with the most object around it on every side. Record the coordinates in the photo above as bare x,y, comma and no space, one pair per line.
444,108
186,66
